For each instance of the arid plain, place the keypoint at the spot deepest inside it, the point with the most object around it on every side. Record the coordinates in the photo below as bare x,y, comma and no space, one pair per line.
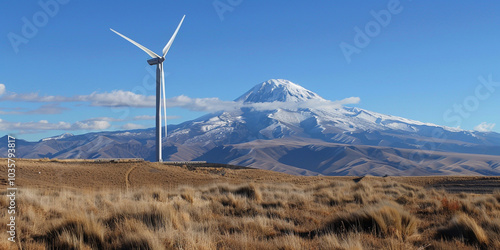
131,204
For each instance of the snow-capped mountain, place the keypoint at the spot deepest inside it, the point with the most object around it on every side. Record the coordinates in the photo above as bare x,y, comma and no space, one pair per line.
278,90
285,127
65,135
321,120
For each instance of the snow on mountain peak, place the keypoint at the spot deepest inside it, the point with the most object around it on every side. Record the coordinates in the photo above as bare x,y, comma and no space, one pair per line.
62,136
278,90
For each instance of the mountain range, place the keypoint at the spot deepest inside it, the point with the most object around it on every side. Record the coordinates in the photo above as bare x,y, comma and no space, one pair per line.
279,125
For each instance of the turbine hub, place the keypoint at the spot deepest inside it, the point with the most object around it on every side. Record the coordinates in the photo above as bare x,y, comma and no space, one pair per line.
155,61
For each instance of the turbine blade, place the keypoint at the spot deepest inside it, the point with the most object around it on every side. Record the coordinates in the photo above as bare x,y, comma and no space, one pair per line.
164,99
167,47
150,53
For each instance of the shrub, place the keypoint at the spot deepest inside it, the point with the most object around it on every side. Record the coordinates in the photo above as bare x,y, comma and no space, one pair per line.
449,206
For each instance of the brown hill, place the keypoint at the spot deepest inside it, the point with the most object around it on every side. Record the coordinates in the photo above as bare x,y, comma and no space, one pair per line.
315,157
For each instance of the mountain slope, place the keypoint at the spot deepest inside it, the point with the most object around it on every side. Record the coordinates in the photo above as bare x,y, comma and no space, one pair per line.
285,127
318,157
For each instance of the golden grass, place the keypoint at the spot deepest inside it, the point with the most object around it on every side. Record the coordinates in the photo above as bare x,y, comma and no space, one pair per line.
385,219
374,213
465,228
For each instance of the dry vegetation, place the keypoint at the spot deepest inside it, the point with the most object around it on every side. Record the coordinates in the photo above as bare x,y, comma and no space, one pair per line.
374,213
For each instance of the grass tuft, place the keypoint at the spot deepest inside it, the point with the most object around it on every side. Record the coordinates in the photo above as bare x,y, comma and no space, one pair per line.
384,219
464,227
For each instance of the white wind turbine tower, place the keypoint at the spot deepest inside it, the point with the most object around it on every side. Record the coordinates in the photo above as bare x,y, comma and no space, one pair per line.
160,84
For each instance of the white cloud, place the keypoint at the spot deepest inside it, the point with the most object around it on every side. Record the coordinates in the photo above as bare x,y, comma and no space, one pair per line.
120,98
349,100
202,104
46,125
2,89
90,125
132,126
484,127
115,98
215,104
35,97
314,103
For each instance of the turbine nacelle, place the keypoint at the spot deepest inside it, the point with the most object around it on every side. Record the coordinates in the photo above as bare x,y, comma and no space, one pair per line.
156,61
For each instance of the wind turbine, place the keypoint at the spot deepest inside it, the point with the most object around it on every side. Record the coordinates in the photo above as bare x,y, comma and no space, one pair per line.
160,84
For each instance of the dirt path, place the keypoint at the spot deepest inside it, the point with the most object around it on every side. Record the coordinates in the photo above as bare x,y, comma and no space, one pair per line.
127,176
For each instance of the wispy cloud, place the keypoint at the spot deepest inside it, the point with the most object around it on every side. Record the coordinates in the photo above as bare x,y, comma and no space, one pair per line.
90,125
45,125
34,97
130,126
484,127
115,98
46,109
121,98
10,110
313,103
202,104
215,104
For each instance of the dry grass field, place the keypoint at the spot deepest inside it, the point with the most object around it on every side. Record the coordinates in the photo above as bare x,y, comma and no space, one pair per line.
142,205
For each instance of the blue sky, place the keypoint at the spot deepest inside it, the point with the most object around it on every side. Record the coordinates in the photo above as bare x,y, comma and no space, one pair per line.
432,61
